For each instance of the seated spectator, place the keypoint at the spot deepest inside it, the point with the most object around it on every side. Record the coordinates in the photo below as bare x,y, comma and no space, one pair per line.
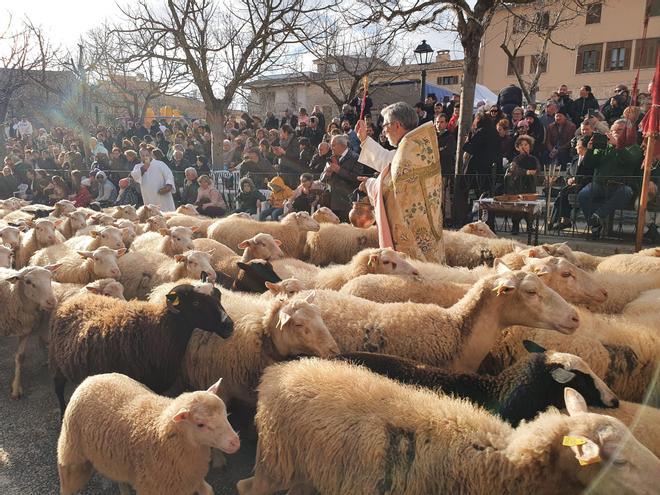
209,200
548,116
611,165
41,181
614,107
80,194
129,193
266,152
558,142
306,151
321,157
190,186
56,190
306,196
132,159
107,192
587,101
280,193
521,175
257,167
506,146
8,183
517,114
315,132
537,131
202,165
249,199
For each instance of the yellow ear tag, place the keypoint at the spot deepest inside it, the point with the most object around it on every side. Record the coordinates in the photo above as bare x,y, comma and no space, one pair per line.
370,263
573,441
593,460
500,289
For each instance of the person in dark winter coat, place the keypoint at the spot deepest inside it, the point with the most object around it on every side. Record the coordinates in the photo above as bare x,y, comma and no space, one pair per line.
509,98
248,200
583,104
446,145
536,130
271,121
483,146
320,158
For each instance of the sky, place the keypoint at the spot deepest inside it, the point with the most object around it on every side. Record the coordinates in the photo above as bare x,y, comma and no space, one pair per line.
66,20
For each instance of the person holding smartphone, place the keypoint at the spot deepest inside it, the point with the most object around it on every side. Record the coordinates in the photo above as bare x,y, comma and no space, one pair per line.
156,181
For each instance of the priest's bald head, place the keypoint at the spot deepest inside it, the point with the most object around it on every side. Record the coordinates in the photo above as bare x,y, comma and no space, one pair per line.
398,119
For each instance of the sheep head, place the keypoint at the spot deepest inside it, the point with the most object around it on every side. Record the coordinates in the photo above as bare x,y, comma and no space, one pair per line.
195,309
262,246
386,261
35,284
287,288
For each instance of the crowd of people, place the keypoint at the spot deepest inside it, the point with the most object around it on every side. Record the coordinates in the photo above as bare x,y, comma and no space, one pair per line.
296,162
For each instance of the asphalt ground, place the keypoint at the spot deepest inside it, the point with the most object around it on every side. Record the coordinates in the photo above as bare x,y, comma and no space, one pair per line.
29,429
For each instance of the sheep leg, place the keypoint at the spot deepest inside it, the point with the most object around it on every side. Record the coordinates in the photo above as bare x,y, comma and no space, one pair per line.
16,387
259,484
124,488
74,477
59,381
205,489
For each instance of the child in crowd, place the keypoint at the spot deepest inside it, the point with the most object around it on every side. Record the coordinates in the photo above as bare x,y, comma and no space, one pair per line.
249,199
520,177
280,193
306,196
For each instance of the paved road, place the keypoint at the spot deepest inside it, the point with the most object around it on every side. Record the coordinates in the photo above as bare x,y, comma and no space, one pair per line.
29,429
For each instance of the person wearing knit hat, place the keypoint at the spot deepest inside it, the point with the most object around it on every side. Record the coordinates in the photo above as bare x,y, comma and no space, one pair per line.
107,191
558,140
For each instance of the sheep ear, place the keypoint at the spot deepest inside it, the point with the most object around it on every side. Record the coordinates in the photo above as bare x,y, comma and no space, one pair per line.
310,297
575,403
180,258
472,227
561,375
53,268
244,244
532,346
94,233
85,254
242,265
274,288
182,415
278,242
215,388
501,267
172,300
120,252
164,232
283,319
504,285
373,260
93,290
194,228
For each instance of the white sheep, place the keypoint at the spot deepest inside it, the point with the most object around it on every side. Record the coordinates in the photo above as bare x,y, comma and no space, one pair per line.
126,212
11,236
325,215
41,235
384,437
457,338
6,254
462,249
118,427
629,263
291,230
129,231
285,289
147,211
100,218
201,223
83,267
109,236
141,272
153,224
281,330
383,261
169,241
105,287
25,296
62,207
338,243
72,223
479,228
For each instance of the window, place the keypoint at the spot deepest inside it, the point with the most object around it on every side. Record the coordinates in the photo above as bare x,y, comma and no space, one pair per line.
593,13
518,63
448,80
534,62
542,20
654,8
589,58
519,24
646,60
617,55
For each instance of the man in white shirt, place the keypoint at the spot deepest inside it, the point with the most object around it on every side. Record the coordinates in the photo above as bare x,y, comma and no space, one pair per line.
156,181
24,129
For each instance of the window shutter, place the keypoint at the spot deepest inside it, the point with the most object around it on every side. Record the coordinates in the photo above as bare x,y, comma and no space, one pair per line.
628,47
599,56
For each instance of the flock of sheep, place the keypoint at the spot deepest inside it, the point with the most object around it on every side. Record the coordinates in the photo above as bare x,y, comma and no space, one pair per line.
371,373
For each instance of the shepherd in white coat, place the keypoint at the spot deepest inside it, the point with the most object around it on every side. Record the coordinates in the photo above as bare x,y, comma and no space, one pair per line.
156,181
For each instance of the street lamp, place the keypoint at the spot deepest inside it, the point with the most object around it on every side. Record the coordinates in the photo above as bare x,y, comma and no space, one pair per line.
423,55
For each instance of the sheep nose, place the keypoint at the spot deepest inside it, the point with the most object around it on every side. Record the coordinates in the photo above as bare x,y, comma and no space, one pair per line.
604,292
575,318
615,402
235,443
415,273
115,272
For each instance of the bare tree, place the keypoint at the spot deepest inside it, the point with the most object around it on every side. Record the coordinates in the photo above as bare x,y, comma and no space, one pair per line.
127,84
344,57
19,57
221,48
538,28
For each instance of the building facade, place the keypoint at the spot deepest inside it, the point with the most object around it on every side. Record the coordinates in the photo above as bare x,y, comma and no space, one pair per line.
394,83
606,49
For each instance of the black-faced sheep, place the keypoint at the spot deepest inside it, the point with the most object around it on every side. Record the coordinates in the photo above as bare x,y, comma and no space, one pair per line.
26,296
519,393
422,443
282,330
155,444
92,334
291,230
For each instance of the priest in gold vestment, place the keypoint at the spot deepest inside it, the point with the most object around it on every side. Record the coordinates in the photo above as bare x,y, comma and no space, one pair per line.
407,195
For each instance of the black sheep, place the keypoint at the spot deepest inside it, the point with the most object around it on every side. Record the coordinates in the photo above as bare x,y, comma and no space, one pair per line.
93,334
519,392
253,275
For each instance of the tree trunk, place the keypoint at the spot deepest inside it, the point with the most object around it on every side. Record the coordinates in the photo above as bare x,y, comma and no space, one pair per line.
216,120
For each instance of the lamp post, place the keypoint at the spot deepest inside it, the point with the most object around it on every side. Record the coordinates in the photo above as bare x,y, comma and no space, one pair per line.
423,56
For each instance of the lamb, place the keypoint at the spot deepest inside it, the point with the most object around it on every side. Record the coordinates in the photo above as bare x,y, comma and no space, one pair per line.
285,289
422,443
338,243
169,241
383,261
140,272
129,231
519,393
125,212
325,215
155,444
187,209
25,295
291,230
108,287
108,236
283,329
469,250
11,236
97,264
479,228
153,224
201,223
456,338
147,211
72,223
629,263
100,219
6,254
41,235
92,334
224,259
62,207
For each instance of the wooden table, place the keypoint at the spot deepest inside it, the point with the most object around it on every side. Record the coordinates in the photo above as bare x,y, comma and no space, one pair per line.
531,211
